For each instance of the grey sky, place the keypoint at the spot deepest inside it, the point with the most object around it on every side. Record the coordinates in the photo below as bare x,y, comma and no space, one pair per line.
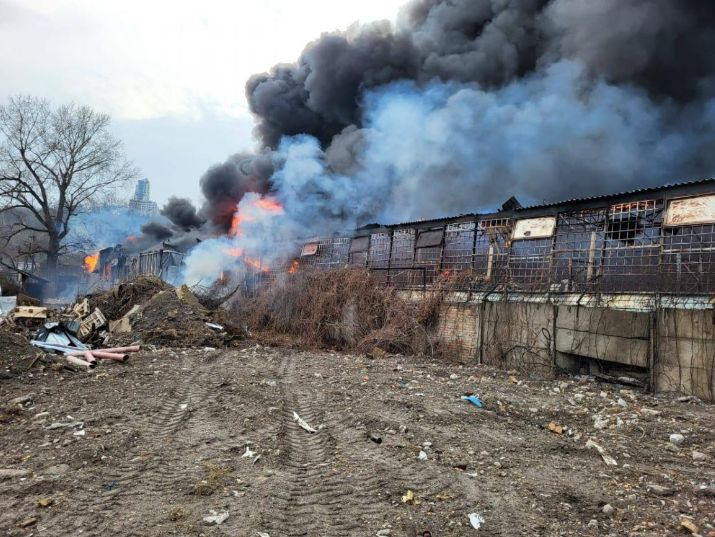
170,73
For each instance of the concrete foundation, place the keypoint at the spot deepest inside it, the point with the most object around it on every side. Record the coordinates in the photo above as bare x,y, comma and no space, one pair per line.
667,342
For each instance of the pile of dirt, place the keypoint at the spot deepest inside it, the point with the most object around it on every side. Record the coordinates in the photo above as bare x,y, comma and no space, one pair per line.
15,350
116,302
167,320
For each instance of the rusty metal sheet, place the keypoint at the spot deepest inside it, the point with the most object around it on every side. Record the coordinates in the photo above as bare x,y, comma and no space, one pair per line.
534,228
359,245
428,239
309,249
688,211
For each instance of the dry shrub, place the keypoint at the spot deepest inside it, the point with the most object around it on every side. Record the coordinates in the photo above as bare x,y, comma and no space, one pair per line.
344,309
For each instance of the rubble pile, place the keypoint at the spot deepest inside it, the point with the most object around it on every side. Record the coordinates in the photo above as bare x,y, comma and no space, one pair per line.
174,317
110,324
15,349
116,302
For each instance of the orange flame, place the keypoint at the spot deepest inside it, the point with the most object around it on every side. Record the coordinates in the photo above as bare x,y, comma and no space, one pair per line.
256,264
90,262
266,204
294,267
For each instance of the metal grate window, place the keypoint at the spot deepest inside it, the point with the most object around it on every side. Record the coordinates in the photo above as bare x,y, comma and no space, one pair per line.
688,261
578,247
458,246
530,263
631,250
491,249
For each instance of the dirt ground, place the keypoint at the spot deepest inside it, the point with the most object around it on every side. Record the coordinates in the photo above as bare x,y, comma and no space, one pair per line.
162,440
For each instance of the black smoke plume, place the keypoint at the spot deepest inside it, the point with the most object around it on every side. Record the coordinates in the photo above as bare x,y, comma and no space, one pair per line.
156,231
658,45
182,213
223,185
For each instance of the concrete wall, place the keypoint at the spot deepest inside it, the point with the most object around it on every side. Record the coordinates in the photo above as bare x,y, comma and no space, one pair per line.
685,352
518,335
673,347
605,334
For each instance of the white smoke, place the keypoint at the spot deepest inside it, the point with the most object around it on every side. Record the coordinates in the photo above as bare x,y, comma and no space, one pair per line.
451,148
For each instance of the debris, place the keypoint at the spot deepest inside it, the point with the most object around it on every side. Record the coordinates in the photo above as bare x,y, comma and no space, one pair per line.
29,312
698,456
65,425
593,523
376,438
608,509
688,399
610,461
81,432
513,380
688,525
7,304
383,533
22,400
659,490
44,502
26,523
705,490
124,325
474,400
215,517
600,422
263,534
555,428
81,309
248,453
92,322
476,520
410,498
677,439
302,423
422,456
60,333
215,326
9,473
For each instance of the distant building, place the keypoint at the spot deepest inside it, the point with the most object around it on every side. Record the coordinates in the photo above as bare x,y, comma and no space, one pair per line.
141,203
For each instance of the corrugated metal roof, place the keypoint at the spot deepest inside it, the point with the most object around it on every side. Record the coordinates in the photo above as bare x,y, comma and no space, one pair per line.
644,190
433,220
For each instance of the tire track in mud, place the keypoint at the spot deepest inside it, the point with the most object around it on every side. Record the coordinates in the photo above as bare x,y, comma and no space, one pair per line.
149,469
313,500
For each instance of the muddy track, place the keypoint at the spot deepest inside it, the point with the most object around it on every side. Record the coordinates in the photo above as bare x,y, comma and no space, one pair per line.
153,466
319,496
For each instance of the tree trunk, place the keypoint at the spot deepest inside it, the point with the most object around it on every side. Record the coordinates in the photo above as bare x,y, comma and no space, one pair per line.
50,269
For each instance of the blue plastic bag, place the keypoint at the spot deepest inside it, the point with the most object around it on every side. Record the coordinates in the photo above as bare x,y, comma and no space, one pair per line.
474,400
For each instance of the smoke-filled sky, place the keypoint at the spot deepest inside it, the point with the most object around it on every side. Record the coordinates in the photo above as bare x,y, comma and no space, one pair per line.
170,72
377,110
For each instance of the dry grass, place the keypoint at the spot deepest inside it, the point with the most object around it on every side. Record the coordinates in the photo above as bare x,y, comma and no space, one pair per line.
346,309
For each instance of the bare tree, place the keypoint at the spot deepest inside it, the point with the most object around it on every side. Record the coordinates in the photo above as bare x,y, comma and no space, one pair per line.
53,164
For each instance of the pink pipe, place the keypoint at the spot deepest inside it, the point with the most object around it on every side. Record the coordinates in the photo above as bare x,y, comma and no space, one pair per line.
89,357
133,348
106,355
77,361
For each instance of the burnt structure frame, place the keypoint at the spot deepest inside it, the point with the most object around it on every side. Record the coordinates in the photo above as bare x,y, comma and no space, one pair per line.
606,244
